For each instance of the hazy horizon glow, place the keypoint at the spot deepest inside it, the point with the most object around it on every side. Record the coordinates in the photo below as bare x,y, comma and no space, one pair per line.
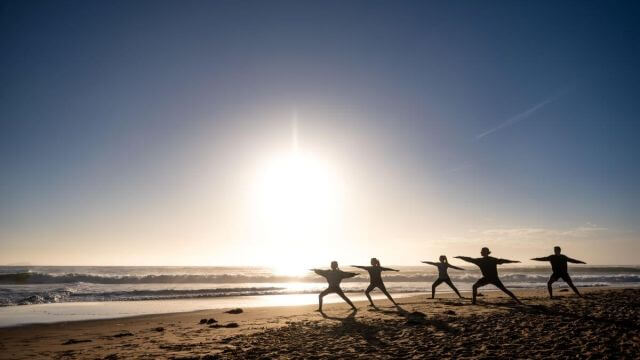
160,133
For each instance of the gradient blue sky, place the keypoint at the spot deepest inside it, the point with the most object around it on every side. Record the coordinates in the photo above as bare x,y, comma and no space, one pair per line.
129,131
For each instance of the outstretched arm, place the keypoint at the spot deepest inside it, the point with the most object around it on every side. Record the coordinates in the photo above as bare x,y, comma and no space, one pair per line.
430,263
346,274
388,269
546,258
467,259
360,267
575,261
505,261
320,272
455,267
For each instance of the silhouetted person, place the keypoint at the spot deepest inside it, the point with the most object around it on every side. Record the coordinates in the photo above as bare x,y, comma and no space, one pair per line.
489,267
560,269
443,275
375,278
334,277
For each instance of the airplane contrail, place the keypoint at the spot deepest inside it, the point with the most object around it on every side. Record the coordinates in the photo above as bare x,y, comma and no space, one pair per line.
519,117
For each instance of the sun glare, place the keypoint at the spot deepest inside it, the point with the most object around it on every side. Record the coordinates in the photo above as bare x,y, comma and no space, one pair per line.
295,270
297,203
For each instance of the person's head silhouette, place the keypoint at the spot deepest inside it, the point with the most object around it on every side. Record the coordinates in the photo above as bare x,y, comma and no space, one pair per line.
334,265
557,250
443,258
375,262
485,251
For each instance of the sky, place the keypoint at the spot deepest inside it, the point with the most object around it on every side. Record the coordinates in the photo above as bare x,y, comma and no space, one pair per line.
293,133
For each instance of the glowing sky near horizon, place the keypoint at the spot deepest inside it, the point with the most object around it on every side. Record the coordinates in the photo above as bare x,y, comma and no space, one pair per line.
160,133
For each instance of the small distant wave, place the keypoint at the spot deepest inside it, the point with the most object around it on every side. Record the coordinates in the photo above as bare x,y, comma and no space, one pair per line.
61,295
175,294
44,298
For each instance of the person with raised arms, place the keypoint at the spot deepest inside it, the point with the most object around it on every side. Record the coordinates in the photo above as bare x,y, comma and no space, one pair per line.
443,275
375,279
560,269
334,277
489,267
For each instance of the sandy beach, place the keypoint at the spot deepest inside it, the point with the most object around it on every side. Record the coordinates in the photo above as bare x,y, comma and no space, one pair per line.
603,324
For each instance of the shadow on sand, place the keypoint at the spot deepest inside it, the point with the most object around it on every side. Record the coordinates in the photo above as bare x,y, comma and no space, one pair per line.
418,318
349,326
351,315
398,310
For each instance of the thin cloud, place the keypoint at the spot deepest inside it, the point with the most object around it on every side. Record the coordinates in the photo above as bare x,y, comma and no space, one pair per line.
531,232
519,117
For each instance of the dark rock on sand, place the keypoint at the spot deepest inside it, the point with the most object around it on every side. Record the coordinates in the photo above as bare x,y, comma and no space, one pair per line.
203,321
122,334
159,329
234,311
74,341
229,325
211,321
416,318
450,312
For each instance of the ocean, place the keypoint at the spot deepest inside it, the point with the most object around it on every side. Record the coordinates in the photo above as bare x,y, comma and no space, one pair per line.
85,292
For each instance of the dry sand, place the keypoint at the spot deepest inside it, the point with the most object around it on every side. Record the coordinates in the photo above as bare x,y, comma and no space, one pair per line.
605,324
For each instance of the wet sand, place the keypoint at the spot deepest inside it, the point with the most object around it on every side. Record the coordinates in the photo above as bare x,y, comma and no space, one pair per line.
605,324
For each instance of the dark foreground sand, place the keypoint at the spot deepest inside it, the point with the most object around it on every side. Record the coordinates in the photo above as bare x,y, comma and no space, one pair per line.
605,324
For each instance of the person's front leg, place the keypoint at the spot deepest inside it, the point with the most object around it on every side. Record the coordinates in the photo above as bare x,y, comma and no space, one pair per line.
550,288
369,297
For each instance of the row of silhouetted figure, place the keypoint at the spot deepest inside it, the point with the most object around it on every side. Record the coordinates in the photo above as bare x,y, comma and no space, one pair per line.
488,266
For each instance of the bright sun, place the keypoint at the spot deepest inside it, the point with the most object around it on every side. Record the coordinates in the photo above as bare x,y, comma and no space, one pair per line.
298,200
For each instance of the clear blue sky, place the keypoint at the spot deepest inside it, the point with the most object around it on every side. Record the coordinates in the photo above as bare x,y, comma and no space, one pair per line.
127,129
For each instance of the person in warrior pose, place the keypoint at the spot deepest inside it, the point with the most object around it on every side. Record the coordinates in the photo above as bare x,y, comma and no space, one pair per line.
489,267
560,269
375,278
334,277
443,276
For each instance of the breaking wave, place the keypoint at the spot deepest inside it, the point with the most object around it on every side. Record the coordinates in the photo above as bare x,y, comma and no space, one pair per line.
65,295
29,278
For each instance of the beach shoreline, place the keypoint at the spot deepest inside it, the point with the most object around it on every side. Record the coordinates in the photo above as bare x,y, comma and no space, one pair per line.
270,331
26,315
